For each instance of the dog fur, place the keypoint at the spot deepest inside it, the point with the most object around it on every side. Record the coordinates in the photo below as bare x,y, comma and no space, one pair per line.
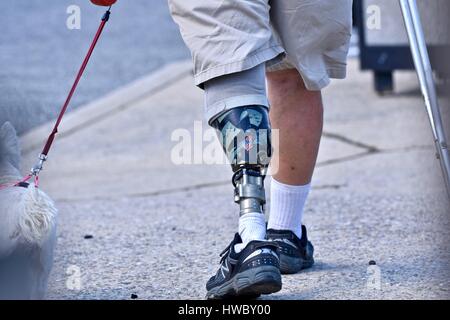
27,228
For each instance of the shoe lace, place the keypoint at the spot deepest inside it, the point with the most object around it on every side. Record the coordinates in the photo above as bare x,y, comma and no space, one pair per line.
224,254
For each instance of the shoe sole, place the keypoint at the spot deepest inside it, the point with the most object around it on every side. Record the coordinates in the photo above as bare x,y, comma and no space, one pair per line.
249,284
291,265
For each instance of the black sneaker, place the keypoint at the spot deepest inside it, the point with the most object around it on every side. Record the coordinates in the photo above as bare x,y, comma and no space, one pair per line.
295,254
255,270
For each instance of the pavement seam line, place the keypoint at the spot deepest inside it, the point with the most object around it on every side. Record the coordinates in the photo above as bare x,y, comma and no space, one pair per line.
179,190
344,139
223,183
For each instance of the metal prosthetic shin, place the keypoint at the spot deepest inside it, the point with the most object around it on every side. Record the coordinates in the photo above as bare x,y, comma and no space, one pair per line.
245,136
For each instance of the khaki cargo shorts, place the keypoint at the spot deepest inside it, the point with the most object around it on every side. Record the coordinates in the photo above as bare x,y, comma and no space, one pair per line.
228,36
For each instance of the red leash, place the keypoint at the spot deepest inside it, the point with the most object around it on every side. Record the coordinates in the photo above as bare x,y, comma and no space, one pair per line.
44,154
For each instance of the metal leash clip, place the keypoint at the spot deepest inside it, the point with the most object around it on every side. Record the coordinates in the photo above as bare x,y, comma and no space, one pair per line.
37,168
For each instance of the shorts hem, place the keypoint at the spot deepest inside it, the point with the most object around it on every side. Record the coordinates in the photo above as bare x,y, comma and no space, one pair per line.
252,60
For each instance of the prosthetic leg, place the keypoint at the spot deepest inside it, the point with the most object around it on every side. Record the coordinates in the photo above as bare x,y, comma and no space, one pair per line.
245,136
236,106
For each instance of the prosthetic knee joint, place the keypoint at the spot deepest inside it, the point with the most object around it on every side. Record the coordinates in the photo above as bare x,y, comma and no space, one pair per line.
246,139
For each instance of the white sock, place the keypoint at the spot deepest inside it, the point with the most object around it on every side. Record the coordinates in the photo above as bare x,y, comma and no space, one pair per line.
252,226
286,206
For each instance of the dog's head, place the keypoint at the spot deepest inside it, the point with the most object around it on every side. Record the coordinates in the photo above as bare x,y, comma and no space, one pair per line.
9,147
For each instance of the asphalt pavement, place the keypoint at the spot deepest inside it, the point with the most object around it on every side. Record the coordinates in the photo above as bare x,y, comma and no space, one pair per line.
133,222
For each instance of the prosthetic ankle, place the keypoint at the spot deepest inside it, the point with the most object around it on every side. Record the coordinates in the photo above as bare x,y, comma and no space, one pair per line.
245,136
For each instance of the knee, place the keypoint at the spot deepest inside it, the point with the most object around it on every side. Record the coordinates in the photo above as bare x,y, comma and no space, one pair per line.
285,80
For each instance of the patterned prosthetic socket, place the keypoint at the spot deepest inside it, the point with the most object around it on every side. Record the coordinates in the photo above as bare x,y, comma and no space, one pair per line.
245,136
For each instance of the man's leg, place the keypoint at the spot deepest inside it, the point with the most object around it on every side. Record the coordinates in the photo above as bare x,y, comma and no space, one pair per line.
298,115
237,107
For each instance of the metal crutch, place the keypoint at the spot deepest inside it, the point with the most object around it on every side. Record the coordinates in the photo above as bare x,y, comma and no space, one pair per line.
422,64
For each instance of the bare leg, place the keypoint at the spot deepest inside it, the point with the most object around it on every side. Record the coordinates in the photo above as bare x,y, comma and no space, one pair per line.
298,115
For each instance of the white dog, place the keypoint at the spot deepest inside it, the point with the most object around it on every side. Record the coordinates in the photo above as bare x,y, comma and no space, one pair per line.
27,228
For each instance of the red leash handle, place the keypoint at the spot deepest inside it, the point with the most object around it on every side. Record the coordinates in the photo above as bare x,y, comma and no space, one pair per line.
52,135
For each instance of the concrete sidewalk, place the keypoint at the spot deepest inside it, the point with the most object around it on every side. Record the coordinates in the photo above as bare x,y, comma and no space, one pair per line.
158,227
